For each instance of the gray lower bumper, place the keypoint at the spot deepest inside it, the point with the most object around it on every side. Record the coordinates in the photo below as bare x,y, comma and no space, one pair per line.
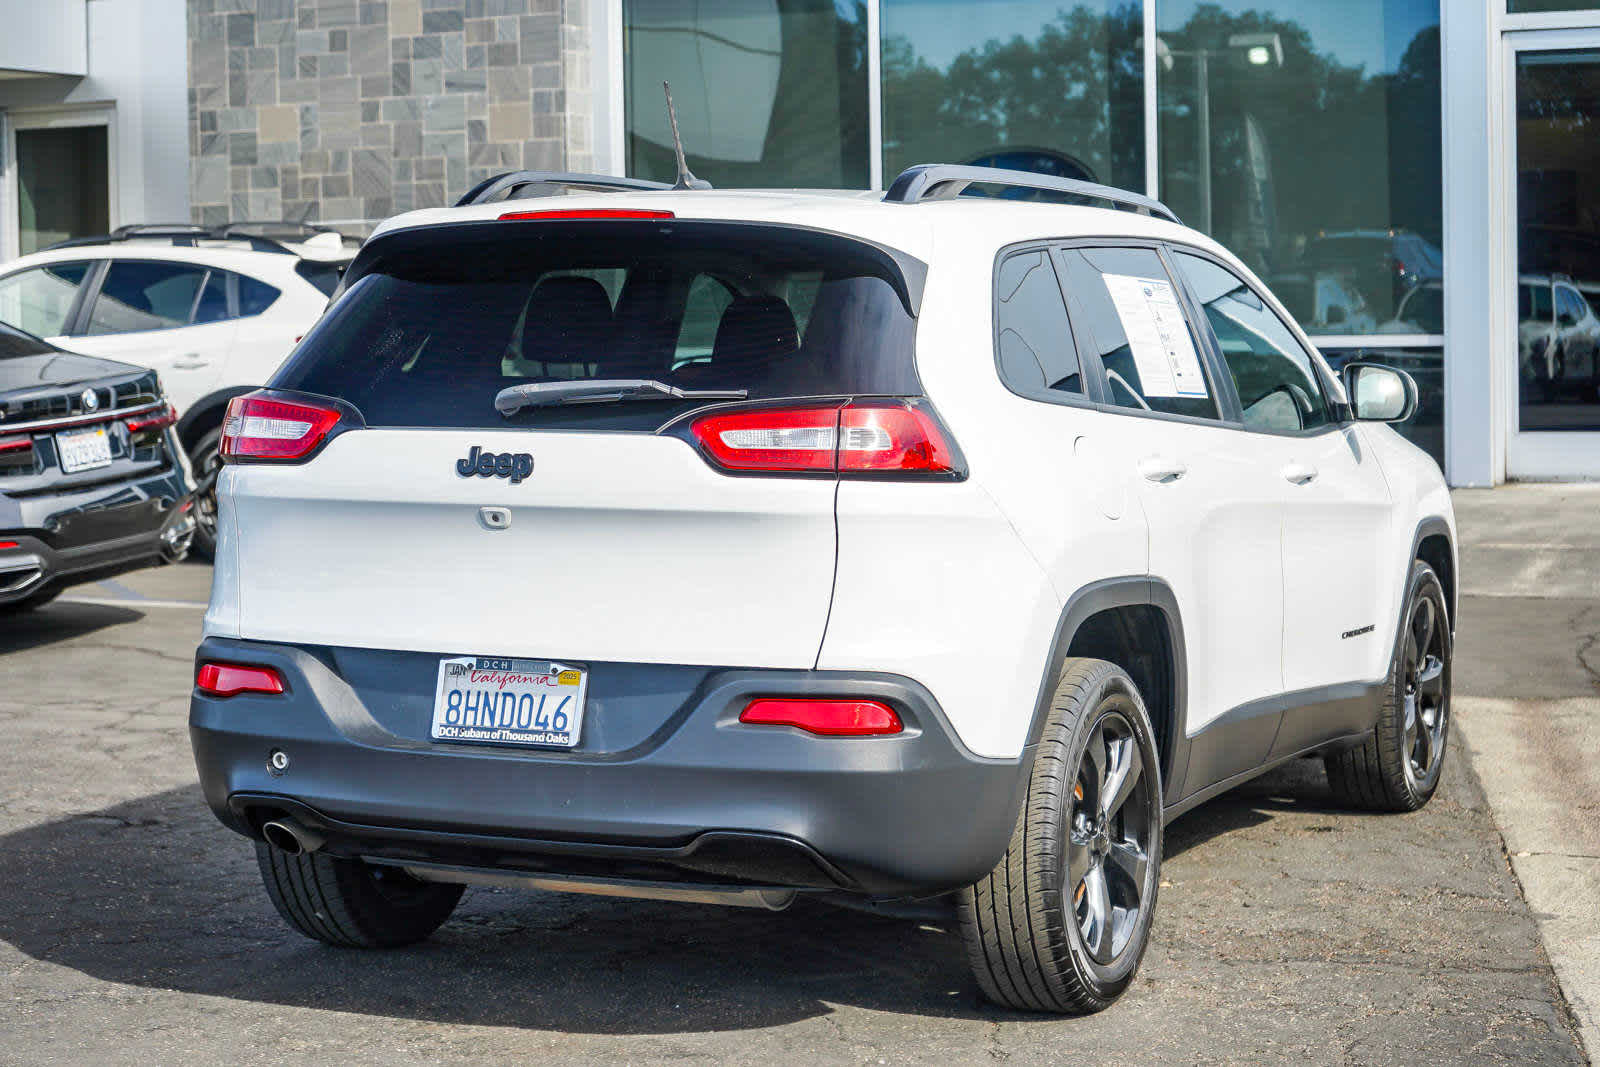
82,535
691,793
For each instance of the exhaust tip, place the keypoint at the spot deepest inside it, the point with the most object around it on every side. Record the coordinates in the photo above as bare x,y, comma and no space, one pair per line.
288,836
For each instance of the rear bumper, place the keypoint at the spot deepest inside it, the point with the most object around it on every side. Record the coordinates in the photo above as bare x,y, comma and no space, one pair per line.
88,534
701,798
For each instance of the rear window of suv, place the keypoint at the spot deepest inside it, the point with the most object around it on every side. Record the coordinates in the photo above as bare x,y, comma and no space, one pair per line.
434,325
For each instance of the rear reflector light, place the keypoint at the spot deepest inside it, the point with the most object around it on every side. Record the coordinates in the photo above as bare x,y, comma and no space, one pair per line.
860,437
260,428
590,213
830,718
159,419
15,444
8,544
230,679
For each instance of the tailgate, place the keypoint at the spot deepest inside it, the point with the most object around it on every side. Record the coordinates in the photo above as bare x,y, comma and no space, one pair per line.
620,547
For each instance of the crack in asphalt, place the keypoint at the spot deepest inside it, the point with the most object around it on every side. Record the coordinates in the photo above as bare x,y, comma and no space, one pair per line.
187,661
1588,641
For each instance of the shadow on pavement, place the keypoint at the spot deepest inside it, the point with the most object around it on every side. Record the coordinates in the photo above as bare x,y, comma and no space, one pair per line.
58,622
1300,785
153,893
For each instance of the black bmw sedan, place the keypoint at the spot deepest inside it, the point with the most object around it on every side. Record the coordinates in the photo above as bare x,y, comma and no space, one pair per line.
91,483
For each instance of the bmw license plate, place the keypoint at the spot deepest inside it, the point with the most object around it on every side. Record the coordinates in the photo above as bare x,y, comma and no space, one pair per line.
83,450
487,700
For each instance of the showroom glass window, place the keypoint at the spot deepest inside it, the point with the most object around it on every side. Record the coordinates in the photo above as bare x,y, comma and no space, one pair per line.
1042,85
1305,136
768,92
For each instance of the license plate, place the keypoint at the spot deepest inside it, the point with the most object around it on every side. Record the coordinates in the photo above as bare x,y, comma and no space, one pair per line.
492,701
83,450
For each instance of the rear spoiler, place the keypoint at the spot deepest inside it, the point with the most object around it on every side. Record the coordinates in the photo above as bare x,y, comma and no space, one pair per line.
906,273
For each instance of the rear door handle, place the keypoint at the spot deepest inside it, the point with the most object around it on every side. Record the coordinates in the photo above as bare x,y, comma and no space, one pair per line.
188,361
1162,469
1299,473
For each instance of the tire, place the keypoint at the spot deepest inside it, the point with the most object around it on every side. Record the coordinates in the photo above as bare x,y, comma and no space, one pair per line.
350,903
1025,923
1399,765
202,460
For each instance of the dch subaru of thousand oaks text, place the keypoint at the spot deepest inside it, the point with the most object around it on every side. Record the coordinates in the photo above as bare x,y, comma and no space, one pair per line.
732,546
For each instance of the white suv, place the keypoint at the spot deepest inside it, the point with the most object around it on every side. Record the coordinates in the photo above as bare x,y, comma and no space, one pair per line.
215,311
735,546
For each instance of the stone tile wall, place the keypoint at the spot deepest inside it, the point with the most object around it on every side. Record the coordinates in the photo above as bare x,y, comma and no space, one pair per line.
349,111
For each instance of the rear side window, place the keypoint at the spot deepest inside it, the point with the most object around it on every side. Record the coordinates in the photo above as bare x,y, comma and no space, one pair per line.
254,297
144,294
39,300
324,276
1150,352
1033,338
432,331
213,305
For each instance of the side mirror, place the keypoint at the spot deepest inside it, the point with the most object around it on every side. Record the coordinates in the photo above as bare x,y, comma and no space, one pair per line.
1378,393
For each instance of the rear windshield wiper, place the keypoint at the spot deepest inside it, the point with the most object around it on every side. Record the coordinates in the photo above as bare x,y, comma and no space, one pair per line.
514,398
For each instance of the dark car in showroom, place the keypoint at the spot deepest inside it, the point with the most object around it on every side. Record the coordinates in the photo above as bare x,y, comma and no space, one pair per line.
91,480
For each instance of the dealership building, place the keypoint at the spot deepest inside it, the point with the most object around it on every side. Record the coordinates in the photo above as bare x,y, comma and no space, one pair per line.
1419,180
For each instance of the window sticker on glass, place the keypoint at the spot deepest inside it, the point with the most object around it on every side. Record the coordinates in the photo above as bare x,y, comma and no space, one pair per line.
1157,335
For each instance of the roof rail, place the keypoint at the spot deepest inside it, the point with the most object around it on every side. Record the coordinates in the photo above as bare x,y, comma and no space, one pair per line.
179,233
159,229
514,181
942,181
270,236
274,228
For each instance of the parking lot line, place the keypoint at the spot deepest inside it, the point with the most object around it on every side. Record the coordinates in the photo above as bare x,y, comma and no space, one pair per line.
132,602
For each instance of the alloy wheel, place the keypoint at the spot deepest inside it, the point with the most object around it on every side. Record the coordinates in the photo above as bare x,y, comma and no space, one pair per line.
1426,692
1111,830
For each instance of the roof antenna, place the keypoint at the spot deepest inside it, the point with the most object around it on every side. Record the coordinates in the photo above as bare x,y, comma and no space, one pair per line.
685,179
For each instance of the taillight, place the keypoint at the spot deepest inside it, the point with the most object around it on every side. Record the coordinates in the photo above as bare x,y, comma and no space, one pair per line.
158,419
892,437
16,444
567,214
8,544
829,717
259,427
231,679
862,437
771,439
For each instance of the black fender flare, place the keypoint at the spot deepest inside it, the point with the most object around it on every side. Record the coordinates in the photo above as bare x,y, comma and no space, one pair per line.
1127,591
207,412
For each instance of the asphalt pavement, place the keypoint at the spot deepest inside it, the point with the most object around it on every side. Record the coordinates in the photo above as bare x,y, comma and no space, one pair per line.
133,928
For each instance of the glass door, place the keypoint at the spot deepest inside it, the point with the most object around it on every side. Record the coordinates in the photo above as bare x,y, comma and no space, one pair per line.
1553,194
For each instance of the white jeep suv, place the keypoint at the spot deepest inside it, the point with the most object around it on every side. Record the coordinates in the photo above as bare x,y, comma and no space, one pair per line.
213,310
734,546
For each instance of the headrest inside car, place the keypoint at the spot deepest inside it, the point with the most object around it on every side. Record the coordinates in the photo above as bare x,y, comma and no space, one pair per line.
755,330
568,321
